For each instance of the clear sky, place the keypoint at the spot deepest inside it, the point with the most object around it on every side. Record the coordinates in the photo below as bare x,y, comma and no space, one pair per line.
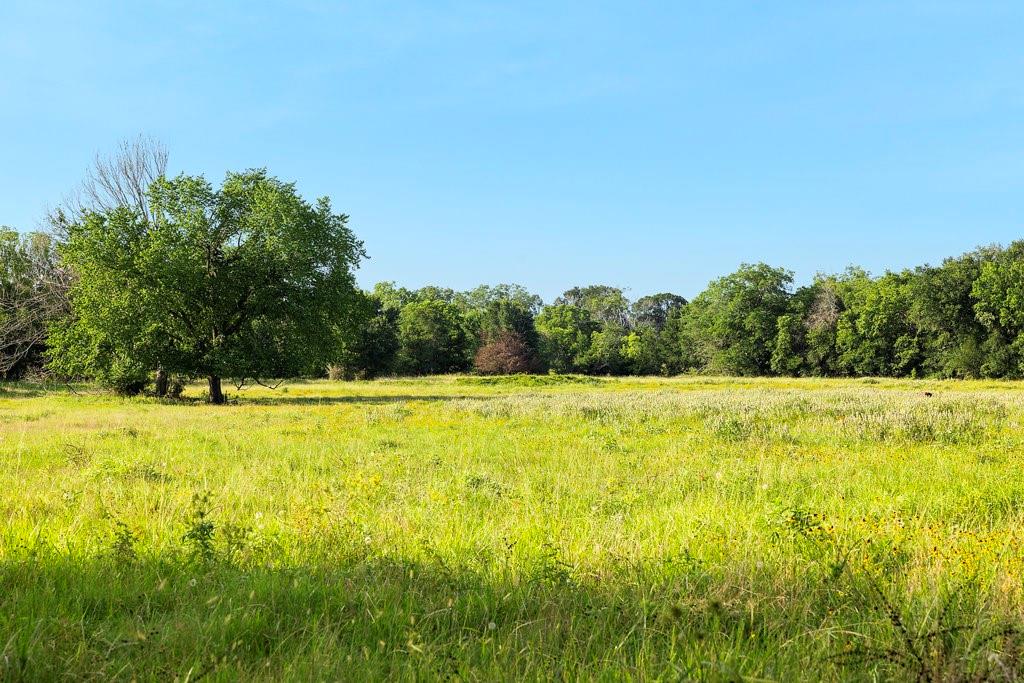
648,145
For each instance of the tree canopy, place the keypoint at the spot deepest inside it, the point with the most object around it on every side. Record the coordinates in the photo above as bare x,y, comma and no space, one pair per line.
245,281
145,276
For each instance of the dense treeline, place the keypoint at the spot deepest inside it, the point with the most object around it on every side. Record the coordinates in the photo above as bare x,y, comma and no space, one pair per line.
959,319
150,280
962,318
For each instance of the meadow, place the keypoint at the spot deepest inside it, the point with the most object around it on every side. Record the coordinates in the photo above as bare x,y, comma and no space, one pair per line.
549,527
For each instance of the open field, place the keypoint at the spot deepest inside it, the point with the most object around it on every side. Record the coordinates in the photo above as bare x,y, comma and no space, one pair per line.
481,529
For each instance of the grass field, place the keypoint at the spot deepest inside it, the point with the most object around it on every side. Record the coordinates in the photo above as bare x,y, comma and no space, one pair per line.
538,528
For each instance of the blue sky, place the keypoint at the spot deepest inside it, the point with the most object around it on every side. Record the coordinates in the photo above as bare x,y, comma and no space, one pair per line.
648,145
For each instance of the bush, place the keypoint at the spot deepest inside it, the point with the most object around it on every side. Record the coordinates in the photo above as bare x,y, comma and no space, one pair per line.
506,354
128,386
176,388
337,372
124,378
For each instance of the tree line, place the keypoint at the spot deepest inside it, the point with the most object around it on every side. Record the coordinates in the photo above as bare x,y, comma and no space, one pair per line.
146,281
963,318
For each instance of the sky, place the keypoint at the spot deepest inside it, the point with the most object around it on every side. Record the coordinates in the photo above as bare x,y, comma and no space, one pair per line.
648,145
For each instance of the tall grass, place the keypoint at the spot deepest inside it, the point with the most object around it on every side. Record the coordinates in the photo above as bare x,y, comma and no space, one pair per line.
535,528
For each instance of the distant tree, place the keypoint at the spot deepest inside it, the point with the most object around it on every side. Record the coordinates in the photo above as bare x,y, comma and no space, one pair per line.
505,353
434,293
604,353
490,311
943,308
371,348
33,295
507,315
789,349
678,346
654,310
392,297
805,337
733,323
247,281
606,305
998,292
643,352
823,307
484,296
432,338
875,334
565,336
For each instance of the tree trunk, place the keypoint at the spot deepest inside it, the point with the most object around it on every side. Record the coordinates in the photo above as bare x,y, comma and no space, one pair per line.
162,381
216,395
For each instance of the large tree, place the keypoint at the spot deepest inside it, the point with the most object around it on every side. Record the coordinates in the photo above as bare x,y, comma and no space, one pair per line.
998,293
606,305
565,336
117,180
246,281
943,308
432,338
875,334
733,324
654,310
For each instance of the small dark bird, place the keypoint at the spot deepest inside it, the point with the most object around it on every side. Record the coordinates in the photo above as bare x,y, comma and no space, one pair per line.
928,394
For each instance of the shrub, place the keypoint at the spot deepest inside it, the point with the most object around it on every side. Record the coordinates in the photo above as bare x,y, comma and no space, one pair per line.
507,353
125,380
337,372
176,388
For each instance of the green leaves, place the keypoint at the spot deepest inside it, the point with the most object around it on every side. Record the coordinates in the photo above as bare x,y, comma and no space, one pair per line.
733,322
246,281
432,338
999,295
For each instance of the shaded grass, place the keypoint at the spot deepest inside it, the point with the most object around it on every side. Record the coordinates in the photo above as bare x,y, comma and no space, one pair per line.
362,619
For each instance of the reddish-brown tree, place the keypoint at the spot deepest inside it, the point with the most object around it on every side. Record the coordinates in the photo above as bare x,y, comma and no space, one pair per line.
506,353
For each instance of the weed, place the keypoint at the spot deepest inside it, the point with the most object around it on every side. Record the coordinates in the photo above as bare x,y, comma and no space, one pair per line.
123,544
550,569
484,484
949,647
200,529
237,540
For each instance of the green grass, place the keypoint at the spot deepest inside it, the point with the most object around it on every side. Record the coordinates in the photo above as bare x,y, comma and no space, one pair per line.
537,528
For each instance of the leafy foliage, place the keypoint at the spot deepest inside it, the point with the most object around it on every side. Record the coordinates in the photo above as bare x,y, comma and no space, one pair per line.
432,338
173,277
733,323
565,336
246,281
962,318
